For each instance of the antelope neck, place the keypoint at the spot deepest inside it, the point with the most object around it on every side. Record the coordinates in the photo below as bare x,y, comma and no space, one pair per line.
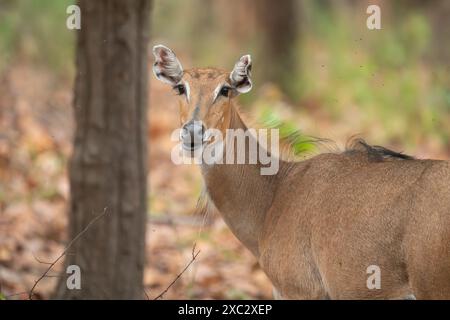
240,193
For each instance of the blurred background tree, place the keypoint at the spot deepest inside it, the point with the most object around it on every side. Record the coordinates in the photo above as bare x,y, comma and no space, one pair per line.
279,30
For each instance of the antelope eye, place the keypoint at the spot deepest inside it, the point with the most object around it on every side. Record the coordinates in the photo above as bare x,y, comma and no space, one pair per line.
224,91
180,89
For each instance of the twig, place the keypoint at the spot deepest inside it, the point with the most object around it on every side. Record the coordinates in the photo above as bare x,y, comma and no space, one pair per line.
146,294
40,261
180,221
30,294
194,256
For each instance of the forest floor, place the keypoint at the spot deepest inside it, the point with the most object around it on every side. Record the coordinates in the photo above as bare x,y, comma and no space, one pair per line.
35,144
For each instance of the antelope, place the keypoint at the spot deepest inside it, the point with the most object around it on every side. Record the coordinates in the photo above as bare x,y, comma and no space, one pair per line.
317,225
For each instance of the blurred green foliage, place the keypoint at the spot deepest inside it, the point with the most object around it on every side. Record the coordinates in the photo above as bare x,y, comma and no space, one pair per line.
35,30
385,73
387,76
289,132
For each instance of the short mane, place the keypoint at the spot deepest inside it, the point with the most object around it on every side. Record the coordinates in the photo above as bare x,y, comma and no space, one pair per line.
374,152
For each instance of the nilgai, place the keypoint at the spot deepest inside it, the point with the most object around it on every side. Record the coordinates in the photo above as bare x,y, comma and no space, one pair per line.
321,228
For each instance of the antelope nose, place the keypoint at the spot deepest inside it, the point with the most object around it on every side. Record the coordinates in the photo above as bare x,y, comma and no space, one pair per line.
191,135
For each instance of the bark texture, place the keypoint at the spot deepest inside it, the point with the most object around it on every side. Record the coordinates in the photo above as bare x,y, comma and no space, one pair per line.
108,166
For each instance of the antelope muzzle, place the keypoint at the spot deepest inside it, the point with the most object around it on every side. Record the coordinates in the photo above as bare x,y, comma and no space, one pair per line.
192,135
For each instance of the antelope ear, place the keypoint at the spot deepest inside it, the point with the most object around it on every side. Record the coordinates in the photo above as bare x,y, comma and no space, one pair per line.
240,76
166,68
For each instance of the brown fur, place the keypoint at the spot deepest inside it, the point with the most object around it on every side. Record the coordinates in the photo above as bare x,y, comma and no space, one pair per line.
318,224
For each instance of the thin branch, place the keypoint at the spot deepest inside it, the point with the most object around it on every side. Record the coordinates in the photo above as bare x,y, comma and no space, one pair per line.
146,294
40,261
173,220
194,256
30,294
49,275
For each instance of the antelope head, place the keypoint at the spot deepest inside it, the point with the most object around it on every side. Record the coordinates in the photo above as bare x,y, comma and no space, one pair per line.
204,94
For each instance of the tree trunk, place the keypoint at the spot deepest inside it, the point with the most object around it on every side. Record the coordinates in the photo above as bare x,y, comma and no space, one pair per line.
108,166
